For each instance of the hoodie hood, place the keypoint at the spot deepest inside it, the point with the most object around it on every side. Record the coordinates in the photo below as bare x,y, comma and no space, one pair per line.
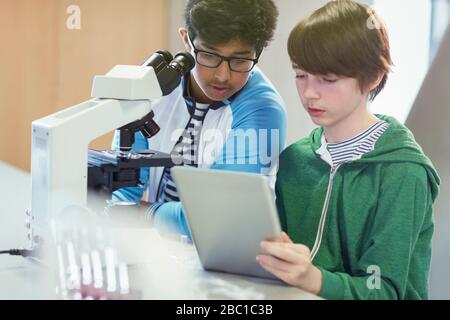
396,144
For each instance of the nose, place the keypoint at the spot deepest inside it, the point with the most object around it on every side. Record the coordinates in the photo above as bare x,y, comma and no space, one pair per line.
223,72
309,90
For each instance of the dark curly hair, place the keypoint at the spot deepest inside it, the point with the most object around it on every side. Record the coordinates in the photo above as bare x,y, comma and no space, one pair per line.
220,21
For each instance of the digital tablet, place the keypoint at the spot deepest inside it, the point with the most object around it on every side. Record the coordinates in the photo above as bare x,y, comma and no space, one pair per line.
228,214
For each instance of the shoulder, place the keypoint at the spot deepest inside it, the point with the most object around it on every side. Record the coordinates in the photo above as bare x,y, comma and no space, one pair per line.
404,170
409,177
258,105
169,99
295,153
259,94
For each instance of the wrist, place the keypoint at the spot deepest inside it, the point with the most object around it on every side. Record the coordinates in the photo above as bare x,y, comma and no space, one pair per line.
312,281
151,212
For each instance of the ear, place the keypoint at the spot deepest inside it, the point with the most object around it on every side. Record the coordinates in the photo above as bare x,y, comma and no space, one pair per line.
184,37
377,81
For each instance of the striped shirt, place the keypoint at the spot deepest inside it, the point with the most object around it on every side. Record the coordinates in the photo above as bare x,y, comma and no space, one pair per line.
187,149
357,146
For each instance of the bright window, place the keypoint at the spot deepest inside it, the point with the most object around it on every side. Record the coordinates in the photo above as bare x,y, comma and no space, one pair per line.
415,30
408,23
440,16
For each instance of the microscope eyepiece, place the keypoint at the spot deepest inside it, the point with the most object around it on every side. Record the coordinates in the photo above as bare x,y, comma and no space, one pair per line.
183,63
158,60
166,54
170,70
169,74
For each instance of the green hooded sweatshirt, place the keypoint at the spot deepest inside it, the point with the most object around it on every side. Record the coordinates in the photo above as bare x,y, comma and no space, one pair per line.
377,217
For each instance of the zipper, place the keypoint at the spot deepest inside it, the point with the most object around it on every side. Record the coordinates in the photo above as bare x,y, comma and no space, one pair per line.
323,216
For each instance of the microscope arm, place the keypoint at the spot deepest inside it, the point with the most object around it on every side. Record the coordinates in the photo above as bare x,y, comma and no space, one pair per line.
59,151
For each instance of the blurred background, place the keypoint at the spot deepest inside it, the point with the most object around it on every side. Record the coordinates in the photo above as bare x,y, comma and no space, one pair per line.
51,50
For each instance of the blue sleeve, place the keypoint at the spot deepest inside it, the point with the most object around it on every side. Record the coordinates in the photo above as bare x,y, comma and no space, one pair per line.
170,218
255,141
132,193
267,127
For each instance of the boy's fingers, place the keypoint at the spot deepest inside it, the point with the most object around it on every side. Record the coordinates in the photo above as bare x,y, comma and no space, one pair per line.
285,237
280,251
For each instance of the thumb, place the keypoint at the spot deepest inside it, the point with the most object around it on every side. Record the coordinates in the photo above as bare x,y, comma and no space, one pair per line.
285,238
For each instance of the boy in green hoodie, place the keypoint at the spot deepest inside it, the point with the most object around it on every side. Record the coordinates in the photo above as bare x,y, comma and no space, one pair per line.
356,196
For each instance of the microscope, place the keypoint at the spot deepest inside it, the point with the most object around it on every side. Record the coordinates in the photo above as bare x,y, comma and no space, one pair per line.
62,168
114,169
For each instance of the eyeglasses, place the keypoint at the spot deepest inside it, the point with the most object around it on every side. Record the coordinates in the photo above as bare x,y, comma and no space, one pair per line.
213,60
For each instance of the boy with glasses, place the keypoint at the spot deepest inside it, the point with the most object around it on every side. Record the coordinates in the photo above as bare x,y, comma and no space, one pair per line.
225,114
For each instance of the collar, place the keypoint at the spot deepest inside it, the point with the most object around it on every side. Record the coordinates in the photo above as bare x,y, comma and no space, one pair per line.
190,101
323,151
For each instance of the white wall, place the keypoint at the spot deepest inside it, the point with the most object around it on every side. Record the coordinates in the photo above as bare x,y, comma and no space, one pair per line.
175,19
429,121
409,31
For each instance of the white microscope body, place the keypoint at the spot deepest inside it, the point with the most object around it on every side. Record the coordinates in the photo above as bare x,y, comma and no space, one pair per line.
60,141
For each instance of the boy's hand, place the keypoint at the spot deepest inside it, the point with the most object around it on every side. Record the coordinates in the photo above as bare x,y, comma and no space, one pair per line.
291,263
